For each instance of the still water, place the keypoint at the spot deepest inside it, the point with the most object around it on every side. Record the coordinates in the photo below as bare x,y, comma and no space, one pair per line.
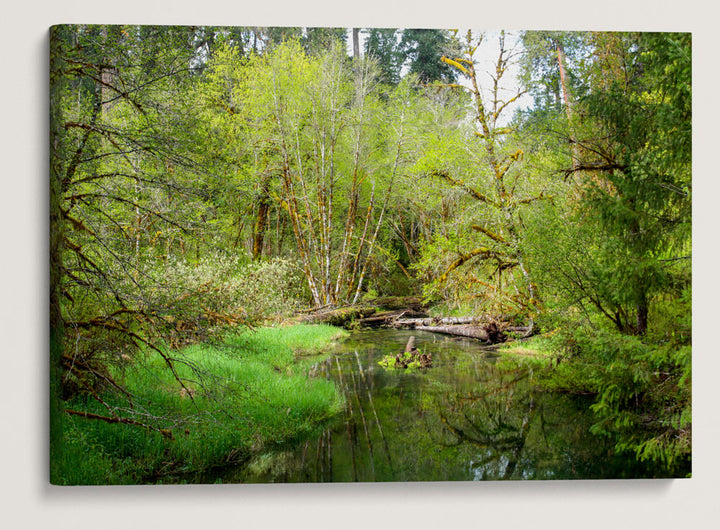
462,419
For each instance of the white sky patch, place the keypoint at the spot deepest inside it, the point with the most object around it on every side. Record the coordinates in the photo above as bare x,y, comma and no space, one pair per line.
486,58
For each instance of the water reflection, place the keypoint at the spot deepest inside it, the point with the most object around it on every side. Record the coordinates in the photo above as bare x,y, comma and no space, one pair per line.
462,419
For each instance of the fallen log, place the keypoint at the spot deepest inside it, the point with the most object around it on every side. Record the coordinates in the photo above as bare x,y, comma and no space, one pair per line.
489,333
339,317
362,315
387,318
430,321
411,323
524,331
460,320
379,318
473,332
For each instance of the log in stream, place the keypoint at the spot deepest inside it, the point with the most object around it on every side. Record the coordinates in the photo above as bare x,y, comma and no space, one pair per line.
487,328
490,333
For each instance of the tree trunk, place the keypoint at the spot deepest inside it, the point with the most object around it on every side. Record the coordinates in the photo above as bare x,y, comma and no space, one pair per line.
108,74
56,324
642,316
566,99
261,222
563,78
356,43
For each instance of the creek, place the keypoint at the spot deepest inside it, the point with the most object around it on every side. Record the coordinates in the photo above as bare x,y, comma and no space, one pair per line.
462,419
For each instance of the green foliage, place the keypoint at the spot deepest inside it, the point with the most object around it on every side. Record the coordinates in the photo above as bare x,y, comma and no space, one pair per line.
538,347
616,240
423,49
641,197
383,44
223,285
540,66
643,390
407,360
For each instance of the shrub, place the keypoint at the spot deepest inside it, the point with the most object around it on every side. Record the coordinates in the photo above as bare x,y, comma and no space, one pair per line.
195,300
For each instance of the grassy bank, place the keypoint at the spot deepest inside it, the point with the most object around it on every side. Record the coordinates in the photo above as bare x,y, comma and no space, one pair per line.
243,394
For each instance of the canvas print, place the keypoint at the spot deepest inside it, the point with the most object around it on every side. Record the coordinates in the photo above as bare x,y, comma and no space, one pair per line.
303,254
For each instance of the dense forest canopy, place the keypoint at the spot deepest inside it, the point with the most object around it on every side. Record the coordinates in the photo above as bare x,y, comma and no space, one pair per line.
204,178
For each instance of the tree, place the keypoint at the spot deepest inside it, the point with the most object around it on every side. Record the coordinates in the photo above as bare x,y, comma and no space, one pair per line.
544,65
383,44
319,40
491,233
423,49
636,155
314,136
553,83
126,199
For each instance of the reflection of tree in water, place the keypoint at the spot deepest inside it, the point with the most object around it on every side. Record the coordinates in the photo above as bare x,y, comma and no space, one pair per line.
495,418
463,419
351,452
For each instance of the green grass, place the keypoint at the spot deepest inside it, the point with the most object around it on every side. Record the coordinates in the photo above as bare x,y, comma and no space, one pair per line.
247,393
537,351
